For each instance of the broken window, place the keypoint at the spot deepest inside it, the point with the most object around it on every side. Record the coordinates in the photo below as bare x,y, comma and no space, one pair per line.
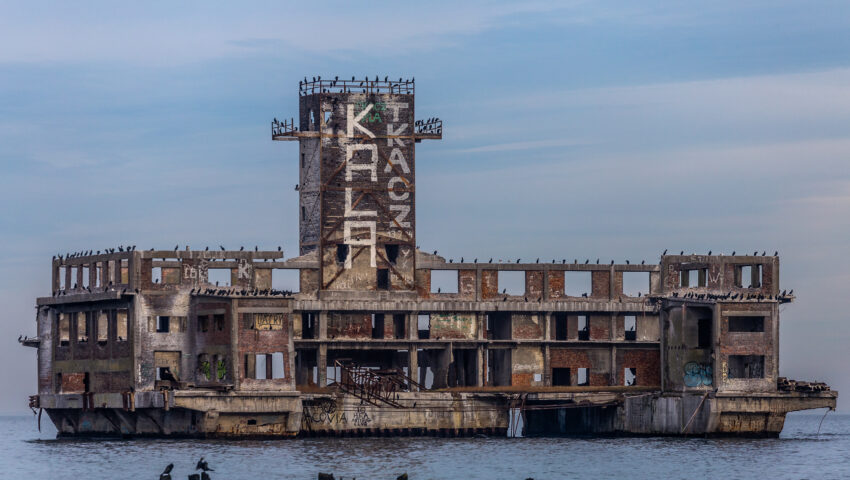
64,329
583,327
635,283
561,326
703,333
746,324
82,327
398,326
220,366
746,366
102,327
583,377
383,282
156,275
512,282
499,326
121,325
262,366
424,326
444,281
392,253
630,326
342,250
560,377
162,323
377,325
218,321
748,276
204,323
577,284
86,278
629,376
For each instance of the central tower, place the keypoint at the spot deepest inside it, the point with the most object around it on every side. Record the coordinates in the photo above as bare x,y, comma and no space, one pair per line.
357,206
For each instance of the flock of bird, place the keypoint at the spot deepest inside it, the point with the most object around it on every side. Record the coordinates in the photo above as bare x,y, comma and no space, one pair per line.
229,292
587,261
132,248
306,87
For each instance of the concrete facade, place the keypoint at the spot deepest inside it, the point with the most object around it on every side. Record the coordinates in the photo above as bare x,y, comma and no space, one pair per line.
144,343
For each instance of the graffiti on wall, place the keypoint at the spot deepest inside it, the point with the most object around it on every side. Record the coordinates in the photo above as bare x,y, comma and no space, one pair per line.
698,374
323,413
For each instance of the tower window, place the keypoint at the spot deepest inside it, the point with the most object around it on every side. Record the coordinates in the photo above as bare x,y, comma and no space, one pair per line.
392,253
341,252
383,279
303,213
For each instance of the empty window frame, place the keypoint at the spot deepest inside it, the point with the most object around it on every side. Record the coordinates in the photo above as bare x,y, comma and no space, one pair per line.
86,278
82,326
560,326
398,325
286,279
204,367
704,332
635,283
630,327
278,370
583,322
577,284
163,324
512,282
121,325
423,325
218,322
308,325
383,279
583,376
444,281
629,376
156,275
102,326
64,329
748,276
693,278
204,323
561,377
746,324
377,325
746,366
219,276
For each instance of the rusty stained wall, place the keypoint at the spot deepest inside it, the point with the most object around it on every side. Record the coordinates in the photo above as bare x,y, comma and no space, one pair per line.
367,173
148,340
747,343
647,362
267,340
597,360
350,325
453,326
527,366
109,365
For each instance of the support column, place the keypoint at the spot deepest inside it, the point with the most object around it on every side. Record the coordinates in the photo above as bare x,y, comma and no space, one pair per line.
413,365
547,367
413,326
480,366
235,353
322,325
322,365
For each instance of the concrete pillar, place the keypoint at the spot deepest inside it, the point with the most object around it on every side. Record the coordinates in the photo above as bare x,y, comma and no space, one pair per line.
480,366
413,365
413,326
547,367
614,367
322,325
234,356
481,322
322,365
547,326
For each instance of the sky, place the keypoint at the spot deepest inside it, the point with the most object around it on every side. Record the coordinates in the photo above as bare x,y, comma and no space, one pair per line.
609,130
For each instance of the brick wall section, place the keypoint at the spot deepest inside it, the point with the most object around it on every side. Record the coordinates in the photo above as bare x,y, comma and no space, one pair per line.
489,284
745,343
556,285
534,284
526,327
349,325
618,284
309,279
73,382
466,284
423,283
264,342
600,327
454,326
647,363
600,284
521,379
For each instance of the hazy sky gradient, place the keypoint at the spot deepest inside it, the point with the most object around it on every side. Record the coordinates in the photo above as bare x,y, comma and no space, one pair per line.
582,130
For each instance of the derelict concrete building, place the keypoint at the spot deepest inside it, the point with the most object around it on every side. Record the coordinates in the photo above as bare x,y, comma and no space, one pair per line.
144,342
